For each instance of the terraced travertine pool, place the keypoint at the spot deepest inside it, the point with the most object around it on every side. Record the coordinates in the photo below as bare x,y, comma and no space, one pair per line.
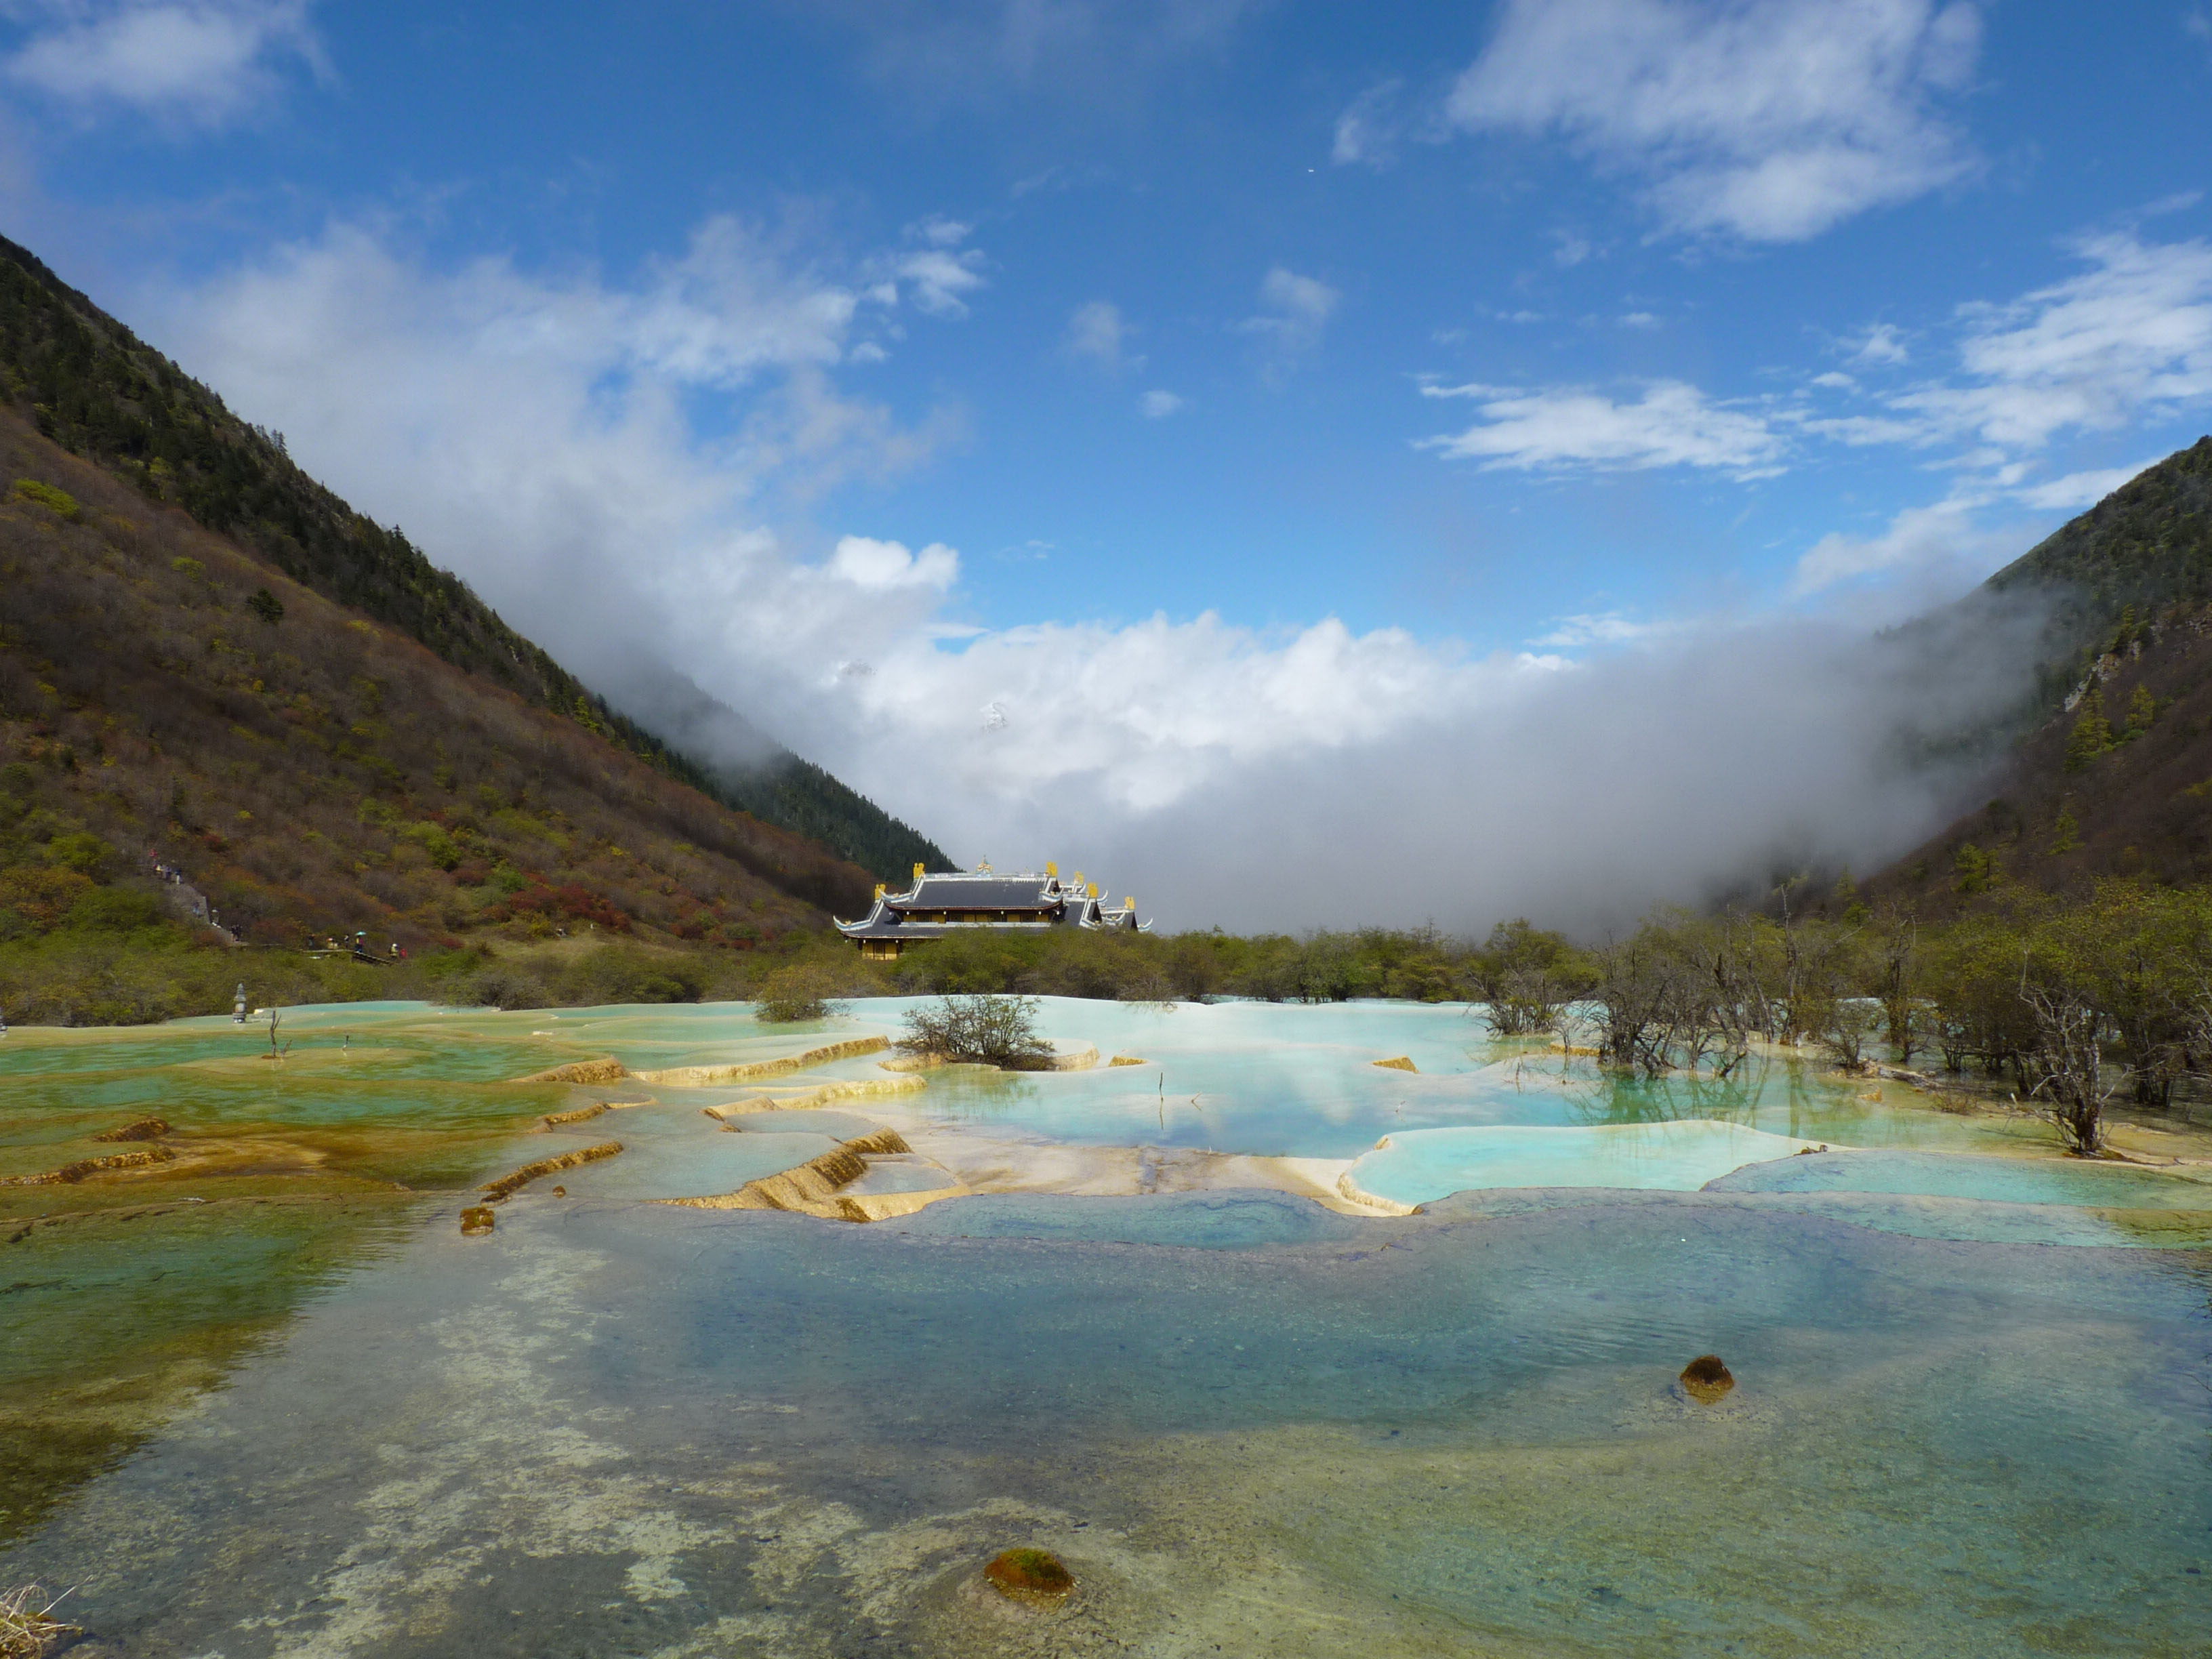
262,1397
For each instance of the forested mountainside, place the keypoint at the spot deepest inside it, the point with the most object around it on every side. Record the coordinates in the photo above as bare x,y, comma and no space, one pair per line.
2115,777
2145,548
167,697
92,387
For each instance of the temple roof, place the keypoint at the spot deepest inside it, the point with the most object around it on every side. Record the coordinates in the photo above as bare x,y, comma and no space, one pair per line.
982,898
965,891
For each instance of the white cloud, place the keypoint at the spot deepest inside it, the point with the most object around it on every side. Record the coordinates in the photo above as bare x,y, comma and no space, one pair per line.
1367,131
1099,331
1599,628
1860,431
536,435
1879,346
1293,311
940,277
2078,490
1938,546
1638,319
1158,405
2129,337
1672,424
946,50
1771,119
879,567
201,62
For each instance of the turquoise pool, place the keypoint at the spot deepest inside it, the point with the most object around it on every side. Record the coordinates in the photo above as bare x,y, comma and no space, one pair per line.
1249,1425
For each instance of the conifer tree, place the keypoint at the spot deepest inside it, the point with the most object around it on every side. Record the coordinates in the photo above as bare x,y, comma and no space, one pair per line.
2065,832
1847,897
2093,732
2142,709
1977,869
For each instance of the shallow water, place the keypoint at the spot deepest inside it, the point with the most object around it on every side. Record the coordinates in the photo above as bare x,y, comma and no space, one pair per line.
1250,1425
1289,1081
630,1429
1421,1166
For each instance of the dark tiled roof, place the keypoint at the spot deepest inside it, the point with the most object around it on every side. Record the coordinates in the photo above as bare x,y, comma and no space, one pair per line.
891,929
980,893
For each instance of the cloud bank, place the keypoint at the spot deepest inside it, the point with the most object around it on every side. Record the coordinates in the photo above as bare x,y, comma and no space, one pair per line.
539,435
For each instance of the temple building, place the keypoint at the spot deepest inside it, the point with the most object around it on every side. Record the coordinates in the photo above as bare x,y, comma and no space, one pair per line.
943,902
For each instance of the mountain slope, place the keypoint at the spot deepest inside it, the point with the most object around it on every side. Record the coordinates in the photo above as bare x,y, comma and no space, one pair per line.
94,388
2115,776
2147,544
166,696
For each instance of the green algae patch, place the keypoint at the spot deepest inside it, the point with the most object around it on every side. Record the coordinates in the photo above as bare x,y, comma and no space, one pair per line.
1030,1572
116,1318
135,1276
2170,1230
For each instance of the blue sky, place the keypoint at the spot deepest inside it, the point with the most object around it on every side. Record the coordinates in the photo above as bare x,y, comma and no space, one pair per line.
1124,404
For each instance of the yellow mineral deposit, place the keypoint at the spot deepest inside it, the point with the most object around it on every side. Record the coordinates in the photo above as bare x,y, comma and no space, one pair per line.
1707,1380
1031,1574
69,1173
708,1077
508,1184
582,1114
606,1070
1402,1063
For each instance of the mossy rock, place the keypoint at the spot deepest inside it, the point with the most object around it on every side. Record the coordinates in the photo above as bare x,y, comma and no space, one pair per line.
1707,1380
146,1128
477,1219
1030,1572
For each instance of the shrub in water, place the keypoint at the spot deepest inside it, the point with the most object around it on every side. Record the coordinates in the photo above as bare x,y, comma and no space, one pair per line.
802,991
984,1030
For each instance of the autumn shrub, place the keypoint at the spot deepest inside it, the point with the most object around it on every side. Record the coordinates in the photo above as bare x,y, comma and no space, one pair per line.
48,496
801,991
571,903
